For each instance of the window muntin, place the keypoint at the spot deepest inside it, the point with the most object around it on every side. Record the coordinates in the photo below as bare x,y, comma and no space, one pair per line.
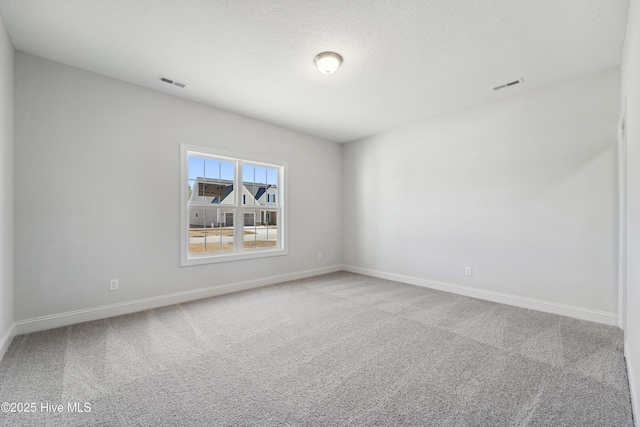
231,208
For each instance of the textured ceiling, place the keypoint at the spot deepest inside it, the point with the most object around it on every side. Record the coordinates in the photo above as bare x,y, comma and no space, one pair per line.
404,60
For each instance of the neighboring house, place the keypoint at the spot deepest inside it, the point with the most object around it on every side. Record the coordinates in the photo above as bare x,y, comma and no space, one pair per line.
218,193
263,195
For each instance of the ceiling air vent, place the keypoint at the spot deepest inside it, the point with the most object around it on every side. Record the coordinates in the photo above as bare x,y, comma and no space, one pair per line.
172,82
515,82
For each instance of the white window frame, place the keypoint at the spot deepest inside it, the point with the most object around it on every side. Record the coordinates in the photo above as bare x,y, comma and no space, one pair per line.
239,253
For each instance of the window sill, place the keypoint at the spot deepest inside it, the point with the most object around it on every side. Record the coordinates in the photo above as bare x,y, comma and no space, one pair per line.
230,257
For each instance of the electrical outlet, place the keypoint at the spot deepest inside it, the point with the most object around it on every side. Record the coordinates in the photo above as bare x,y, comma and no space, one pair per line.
113,284
468,271
319,255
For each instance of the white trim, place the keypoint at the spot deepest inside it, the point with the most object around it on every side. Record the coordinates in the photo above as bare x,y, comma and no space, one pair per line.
85,315
5,341
622,216
635,398
530,303
77,316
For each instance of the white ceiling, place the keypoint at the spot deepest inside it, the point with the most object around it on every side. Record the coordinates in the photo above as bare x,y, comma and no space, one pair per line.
404,60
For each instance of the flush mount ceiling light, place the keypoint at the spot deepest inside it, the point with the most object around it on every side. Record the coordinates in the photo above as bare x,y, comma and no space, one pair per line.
328,62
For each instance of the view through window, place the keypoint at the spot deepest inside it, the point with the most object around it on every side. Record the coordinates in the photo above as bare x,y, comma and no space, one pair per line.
233,207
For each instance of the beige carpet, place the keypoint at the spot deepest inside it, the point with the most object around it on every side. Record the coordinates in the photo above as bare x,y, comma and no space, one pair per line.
339,349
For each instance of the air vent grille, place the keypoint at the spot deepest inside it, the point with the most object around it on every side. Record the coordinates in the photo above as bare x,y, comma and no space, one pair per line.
172,82
515,82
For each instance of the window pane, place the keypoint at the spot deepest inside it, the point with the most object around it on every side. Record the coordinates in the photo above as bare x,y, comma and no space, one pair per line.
226,171
272,176
214,192
249,218
196,229
210,180
192,195
260,229
260,185
196,167
210,230
261,175
270,196
248,173
212,169
248,185
271,226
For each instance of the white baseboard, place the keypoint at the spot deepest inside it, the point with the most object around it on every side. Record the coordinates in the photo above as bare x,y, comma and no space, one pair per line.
6,339
533,304
635,398
78,316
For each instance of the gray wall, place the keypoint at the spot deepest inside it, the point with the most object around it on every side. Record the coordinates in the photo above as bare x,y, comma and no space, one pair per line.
523,190
631,93
6,187
97,191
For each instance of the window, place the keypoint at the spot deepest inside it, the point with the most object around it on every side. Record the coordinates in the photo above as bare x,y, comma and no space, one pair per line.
231,207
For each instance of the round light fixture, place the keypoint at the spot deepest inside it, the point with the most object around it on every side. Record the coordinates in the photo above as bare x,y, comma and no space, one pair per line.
328,62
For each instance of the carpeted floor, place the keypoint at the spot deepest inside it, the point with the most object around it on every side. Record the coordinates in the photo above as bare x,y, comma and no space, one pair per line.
338,349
